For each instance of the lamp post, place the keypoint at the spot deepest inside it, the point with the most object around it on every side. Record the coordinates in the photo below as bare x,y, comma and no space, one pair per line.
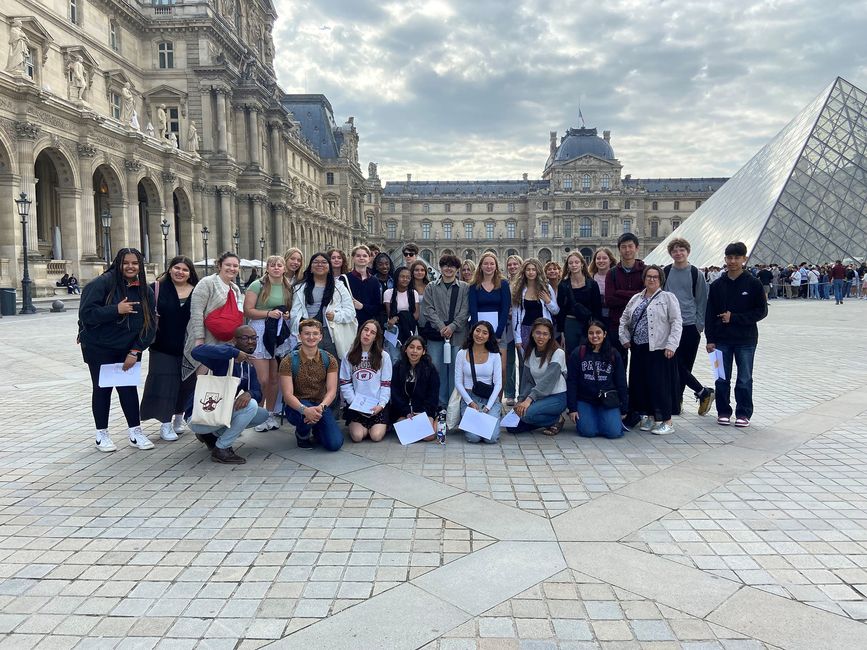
23,204
236,239
205,234
261,255
105,218
164,226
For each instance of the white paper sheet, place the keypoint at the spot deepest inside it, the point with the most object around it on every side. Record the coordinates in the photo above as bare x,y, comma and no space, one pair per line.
413,429
481,424
391,337
716,364
511,419
112,374
491,316
363,404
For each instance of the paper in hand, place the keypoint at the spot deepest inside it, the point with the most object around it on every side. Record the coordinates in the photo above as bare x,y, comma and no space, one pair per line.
413,429
363,404
716,364
112,374
511,419
481,424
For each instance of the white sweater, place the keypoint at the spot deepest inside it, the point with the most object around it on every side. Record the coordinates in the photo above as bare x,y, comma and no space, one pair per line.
363,380
489,372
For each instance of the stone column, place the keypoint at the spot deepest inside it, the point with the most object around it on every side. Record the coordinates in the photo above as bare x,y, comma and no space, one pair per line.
169,179
133,224
278,231
275,141
240,123
87,229
25,134
197,221
206,128
253,135
258,229
222,121
227,194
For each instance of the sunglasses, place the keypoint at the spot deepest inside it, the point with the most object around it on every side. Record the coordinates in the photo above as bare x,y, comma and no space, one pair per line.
408,254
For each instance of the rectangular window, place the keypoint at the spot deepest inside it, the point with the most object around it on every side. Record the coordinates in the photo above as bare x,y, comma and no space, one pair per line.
675,224
391,207
603,228
448,207
627,226
369,197
112,36
586,228
73,11
511,207
115,105
654,229
370,223
166,55
392,230
329,178
489,231
447,230
469,207
174,120
425,231
567,228
544,227
468,229
510,230
425,208
677,205
28,63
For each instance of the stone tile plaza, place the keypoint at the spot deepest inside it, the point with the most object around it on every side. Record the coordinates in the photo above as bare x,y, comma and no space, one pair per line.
709,538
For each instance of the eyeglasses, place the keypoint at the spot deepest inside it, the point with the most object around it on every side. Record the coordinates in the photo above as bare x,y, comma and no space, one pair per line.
408,254
248,338
320,263
655,278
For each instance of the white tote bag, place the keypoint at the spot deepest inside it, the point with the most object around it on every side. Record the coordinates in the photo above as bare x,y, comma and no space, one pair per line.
214,400
453,410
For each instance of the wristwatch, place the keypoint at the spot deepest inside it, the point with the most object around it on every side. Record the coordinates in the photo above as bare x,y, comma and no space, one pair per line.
303,408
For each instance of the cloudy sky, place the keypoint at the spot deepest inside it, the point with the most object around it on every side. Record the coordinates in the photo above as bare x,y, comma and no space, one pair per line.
464,89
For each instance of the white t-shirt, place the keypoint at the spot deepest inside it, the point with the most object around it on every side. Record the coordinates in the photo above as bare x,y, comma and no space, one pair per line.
402,299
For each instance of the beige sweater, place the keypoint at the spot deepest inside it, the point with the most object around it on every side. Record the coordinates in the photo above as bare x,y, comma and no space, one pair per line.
210,294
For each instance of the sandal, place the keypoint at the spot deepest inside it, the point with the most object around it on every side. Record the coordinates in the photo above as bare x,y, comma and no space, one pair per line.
555,428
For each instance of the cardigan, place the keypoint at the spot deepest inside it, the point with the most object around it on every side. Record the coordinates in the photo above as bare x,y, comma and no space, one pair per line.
341,305
548,311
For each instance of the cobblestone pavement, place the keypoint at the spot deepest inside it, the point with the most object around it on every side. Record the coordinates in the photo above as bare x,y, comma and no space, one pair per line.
709,538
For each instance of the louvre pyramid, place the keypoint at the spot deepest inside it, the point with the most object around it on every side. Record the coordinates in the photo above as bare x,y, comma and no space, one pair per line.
801,198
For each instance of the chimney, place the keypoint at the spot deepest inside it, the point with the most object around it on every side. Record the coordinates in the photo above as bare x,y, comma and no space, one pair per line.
409,178
606,135
525,175
553,145
629,177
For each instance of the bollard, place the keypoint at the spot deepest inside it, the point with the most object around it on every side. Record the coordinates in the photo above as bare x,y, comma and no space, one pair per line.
57,306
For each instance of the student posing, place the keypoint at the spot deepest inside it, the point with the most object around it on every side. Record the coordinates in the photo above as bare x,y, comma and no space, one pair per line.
415,384
366,372
479,376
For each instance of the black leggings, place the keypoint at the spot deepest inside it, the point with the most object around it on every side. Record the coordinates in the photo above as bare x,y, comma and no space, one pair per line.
100,401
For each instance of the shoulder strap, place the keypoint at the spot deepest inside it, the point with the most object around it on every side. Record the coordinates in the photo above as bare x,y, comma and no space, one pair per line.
582,352
296,362
667,271
325,360
453,302
157,298
472,363
694,278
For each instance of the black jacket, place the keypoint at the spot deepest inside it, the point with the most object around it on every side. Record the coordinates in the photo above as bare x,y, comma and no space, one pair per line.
102,328
424,397
587,306
174,317
595,372
745,298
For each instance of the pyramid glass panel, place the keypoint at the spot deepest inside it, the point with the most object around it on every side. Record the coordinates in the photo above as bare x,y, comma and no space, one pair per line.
801,198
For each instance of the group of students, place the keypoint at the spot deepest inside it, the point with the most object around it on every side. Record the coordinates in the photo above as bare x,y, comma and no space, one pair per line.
303,341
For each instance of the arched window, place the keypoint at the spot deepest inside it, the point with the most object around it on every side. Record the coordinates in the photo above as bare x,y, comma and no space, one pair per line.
567,205
627,205
427,255
586,229
469,254
490,207
544,255
675,224
585,182
567,183
587,253
654,205
606,182
605,205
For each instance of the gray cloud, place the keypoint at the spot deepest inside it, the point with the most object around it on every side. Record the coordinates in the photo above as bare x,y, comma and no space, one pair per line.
459,90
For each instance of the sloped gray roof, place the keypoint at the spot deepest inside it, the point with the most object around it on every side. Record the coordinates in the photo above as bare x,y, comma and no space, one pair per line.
581,142
449,188
316,117
652,185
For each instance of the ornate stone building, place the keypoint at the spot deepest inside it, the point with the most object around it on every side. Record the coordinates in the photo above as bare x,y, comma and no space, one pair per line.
582,202
164,111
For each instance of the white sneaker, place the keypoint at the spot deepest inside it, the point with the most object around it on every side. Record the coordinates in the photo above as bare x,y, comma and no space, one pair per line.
103,441
178,423
662,429
646,423
137,438
267,425
167,432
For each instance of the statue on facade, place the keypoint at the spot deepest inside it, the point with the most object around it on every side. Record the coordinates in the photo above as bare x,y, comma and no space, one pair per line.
371,170
19,48
162,122
192,137
149,130
127,104
77,79
174,141
133,121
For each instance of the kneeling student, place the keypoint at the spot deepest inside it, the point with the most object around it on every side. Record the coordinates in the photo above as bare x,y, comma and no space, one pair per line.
308,380
417,384
366,372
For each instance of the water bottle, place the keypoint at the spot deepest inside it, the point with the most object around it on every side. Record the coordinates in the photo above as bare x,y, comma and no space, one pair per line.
447,351
441,427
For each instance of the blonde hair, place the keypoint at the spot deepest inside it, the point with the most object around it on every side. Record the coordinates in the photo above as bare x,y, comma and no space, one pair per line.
520,282
567,273
289,253
479,276
265,281
471,265
592,268
517,258
555,265
360,247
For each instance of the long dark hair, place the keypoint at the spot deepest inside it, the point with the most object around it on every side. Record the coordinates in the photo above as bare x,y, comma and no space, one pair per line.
491,345
375,354
117,284
425,357
309,282
165,276
550,346
410,293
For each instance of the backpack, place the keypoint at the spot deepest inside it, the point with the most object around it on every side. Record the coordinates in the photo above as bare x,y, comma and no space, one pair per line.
296,360
693,272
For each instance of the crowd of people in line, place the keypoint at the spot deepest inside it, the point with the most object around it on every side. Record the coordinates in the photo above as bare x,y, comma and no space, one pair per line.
551,342
813,281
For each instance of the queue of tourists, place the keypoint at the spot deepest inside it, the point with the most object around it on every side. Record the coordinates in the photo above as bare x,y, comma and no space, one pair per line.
606,344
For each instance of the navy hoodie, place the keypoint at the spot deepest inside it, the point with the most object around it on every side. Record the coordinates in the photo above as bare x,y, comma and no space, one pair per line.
596,372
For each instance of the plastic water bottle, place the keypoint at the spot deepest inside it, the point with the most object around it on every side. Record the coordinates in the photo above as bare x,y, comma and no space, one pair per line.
441,427
447,351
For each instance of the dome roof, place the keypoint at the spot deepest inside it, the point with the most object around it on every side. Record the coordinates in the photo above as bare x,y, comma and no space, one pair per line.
580,142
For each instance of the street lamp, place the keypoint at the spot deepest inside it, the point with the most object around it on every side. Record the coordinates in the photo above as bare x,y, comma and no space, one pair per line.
261,255
236,238
105,218
23,204
164,226
205,234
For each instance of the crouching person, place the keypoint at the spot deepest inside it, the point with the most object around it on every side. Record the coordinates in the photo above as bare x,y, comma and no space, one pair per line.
246,411
308,380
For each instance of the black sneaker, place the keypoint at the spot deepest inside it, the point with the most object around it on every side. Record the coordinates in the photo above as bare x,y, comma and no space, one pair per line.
228,456
705,399
207,439
304,443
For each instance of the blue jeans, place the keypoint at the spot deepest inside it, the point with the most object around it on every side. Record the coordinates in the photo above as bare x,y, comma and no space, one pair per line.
743,357
446,371
327,431
542,413
813,291
838,290
249,416
593,420
495,412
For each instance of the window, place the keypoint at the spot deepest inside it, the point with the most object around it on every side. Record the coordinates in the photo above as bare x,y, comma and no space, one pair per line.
425,231
115,105
370,223
425,207
329,178
489,231
28,63
627,226
113,41
490,207
603,228
586,227
654,205
468,207
448,207
74,14
675,224
677,205
468,230
391,207
697,205
654,228
511,207
174,121
605,205
166,55
627,205
369,197
606,182
510,229
567,205
567,183
585,182
391,228
447,231
544,227
544,205
567,228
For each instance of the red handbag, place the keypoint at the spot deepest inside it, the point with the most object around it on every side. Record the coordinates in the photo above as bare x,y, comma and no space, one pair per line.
223,322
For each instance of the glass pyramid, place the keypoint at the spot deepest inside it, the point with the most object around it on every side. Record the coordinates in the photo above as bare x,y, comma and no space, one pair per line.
801,198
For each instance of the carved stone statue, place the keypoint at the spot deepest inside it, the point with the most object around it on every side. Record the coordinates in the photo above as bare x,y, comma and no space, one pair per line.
192,137
371,170
174,141
162,122
127,104
149,129
19,48
77,79
133,121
